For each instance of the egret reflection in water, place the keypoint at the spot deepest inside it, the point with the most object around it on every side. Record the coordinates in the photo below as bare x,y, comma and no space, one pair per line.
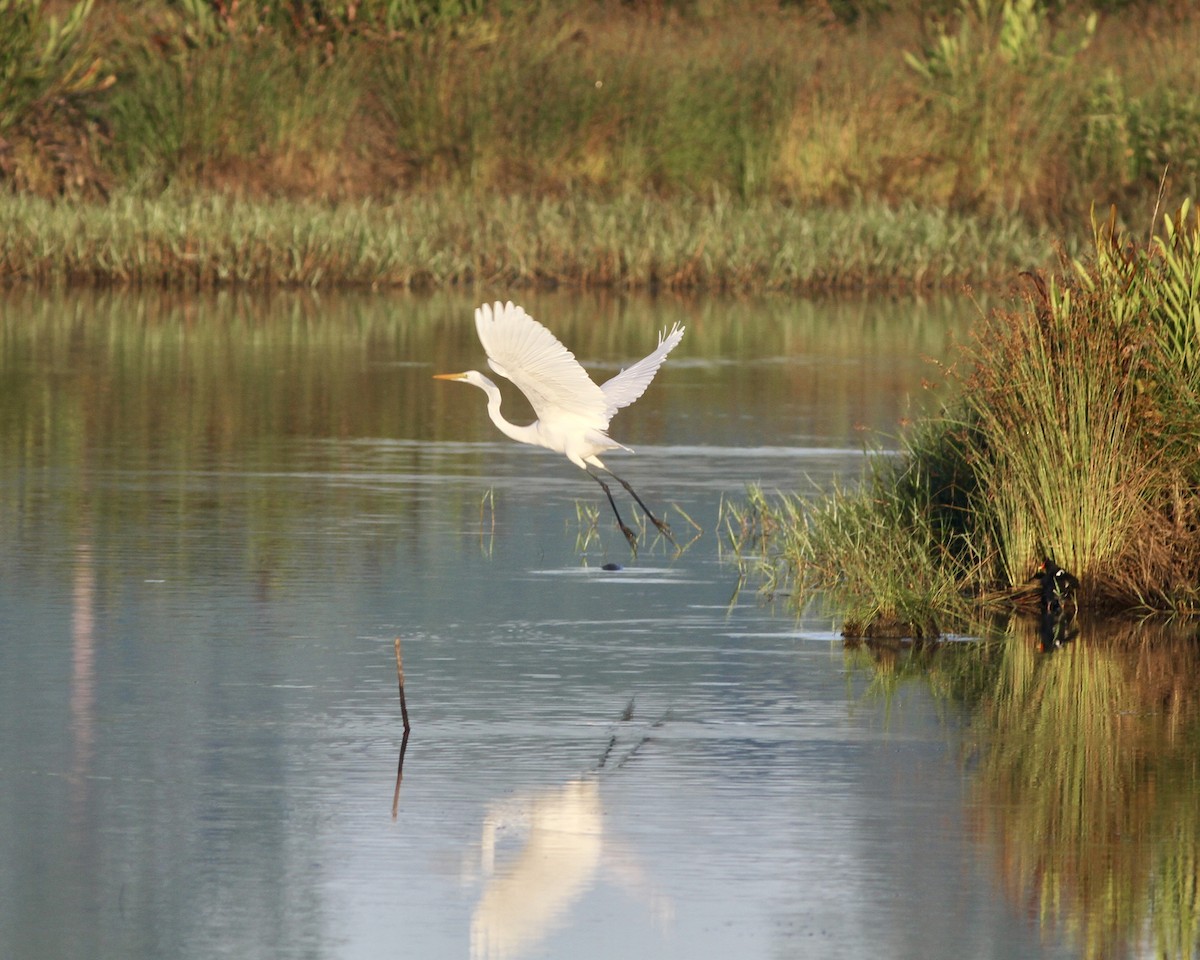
563,852
558,861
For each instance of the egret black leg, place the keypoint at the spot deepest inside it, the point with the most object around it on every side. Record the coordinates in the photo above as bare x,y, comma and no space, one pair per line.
662,526
616,513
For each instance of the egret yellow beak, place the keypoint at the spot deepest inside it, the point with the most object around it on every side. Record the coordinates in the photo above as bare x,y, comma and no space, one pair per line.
448,376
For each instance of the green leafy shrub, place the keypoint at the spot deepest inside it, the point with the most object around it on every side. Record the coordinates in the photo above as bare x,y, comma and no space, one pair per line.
43,61
1000,80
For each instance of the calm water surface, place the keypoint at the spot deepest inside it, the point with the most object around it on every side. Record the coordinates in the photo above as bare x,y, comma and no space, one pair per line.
216,516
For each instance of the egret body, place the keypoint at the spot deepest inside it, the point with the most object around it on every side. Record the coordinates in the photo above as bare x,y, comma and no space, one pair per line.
573,413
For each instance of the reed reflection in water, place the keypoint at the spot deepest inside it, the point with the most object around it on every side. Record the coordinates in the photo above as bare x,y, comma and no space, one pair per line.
1088,784
1085,771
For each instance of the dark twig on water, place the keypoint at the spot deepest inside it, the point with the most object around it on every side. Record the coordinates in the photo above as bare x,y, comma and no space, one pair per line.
407,729
399,775
400,678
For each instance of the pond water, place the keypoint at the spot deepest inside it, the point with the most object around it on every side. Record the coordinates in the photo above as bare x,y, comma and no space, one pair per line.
217,515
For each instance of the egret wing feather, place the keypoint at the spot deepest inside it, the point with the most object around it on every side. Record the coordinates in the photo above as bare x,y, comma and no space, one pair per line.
632,382
524,351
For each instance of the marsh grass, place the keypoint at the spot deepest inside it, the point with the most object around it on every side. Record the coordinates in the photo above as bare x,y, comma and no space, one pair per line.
591,519
871,553
244,116
1066,440
991,76
45,60
448,238
487,522
587,526
995,110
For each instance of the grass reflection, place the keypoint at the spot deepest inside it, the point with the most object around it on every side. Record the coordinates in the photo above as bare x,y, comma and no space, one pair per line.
955,672
1084,769
207,373
1086,784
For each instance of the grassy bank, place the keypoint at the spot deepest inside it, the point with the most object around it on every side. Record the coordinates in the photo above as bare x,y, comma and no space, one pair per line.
998,113
443,238
1072,434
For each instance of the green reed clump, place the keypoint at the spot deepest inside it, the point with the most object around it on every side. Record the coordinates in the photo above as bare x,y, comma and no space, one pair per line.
1062,442
1072,436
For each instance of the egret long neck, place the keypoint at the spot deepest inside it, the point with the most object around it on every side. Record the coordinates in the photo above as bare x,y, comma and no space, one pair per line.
522,434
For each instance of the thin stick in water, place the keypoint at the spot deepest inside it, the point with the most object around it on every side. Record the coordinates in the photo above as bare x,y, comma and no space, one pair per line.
407,728
400,679
399,775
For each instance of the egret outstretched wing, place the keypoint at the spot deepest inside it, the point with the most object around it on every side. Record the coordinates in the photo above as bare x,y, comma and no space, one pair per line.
631,383
521,349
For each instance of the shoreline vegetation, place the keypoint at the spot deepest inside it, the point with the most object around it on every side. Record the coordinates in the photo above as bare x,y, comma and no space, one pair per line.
1072,434
802,146
442,239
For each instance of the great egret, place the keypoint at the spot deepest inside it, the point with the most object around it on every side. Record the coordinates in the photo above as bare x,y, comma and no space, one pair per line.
573,413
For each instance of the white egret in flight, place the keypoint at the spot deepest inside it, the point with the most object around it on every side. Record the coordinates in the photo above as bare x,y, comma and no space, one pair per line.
573,413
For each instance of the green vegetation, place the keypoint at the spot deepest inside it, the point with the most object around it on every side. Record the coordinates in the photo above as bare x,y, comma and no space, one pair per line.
1072,434
686,121
438,238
